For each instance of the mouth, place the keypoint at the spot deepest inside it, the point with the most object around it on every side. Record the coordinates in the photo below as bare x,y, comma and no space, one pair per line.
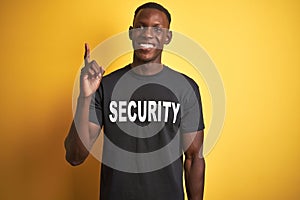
145,46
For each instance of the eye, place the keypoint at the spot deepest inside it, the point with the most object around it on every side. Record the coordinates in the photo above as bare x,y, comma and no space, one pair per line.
157,29
141,27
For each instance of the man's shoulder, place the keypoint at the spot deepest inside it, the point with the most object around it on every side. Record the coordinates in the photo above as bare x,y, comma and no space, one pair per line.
174,72
117,73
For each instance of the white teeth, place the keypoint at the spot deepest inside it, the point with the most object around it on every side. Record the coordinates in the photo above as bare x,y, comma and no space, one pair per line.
146,45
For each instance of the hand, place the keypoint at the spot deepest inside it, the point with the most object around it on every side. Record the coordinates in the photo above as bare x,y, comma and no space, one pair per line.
91,75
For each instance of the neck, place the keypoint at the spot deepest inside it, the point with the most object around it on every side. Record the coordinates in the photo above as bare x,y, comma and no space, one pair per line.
146,68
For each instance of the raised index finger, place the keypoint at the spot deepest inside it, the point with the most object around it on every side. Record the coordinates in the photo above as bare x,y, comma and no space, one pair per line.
86,54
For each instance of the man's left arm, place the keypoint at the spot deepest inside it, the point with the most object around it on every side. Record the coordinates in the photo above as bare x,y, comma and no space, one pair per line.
194,165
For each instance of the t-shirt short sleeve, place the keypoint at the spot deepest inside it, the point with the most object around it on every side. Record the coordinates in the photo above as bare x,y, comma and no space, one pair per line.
192,115
95,110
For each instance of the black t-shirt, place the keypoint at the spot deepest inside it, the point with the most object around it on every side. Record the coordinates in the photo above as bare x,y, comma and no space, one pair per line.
143,118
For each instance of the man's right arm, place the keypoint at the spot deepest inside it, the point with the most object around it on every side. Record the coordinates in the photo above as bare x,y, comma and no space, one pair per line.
84,133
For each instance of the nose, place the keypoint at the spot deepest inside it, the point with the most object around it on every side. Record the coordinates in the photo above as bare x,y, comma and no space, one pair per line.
148,32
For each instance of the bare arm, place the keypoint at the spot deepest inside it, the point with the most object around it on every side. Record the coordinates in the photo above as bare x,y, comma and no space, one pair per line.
194,165
83,133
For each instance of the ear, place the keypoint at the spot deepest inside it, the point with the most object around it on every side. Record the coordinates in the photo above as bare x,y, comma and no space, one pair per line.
168,37
130,32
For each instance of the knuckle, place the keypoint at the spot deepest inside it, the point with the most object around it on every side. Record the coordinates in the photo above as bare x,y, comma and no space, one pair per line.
91,71
94,63
84,70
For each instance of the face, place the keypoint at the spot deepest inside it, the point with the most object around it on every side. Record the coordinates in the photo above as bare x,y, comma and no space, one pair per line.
149,33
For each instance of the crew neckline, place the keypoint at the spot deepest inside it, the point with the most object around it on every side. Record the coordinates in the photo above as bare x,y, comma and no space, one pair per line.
139,76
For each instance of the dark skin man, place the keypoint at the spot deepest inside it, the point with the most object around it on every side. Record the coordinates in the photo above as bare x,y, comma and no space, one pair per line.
151,33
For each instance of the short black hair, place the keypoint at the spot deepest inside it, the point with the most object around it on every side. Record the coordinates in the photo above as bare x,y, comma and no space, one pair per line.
155,6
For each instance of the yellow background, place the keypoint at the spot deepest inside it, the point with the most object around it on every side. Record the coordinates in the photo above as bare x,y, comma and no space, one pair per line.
254,44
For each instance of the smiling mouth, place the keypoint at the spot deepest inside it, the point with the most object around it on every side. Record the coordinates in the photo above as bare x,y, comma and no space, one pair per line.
146,46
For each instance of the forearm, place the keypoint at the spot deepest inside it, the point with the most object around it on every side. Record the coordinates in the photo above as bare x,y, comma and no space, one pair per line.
78,142
194,177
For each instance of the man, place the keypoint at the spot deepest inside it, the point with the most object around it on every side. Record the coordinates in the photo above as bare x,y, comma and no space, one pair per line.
126,122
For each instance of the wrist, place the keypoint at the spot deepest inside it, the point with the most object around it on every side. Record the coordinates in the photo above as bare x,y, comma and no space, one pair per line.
84,98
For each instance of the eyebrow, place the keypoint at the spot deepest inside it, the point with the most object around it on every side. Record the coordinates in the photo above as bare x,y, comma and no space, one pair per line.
155,24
